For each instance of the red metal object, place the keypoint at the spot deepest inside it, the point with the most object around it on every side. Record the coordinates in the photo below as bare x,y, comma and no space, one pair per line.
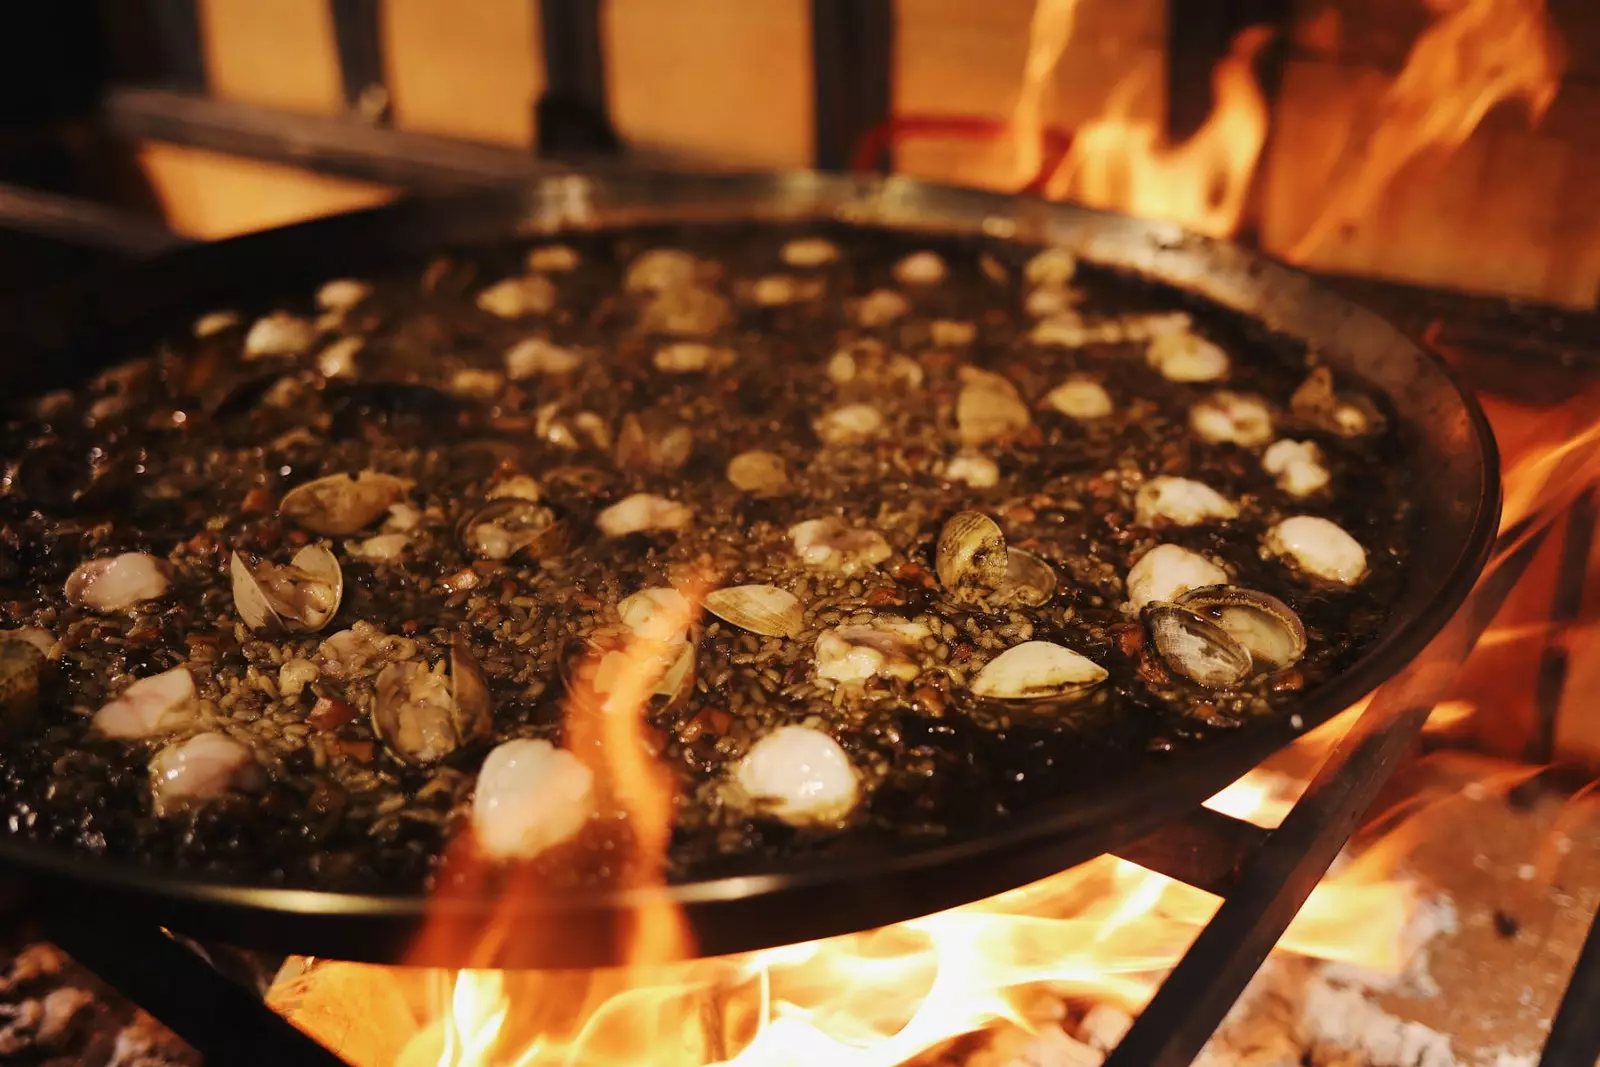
1055,142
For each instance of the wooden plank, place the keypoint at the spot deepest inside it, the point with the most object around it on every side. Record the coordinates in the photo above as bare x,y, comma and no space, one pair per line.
988,45
721,83
465,70
210,195
278,54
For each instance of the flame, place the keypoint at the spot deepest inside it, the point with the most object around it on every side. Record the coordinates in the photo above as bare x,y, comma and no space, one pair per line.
1475,55
1048,34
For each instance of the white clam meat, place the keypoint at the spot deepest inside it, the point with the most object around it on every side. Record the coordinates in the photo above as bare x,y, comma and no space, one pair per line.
759,473
1297,466
530,294
159,704
201,768
641,512
1052,267
800,775
300,597
952,333
517,487
530,797
1037,670
1181,500
809,252
974,469
477,383
850,424
534,356
1318,547
553,259
1080,398
294,676
1168,571
1180,356
423,712
117,583
278,334
341,294
881,307
692,357
1226,417
214,322
834,544
883,648
659,270
659,614
920,268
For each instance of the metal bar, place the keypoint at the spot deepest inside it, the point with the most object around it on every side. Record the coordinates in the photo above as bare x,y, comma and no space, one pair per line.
852,57
339,146
1276,881
1205,849
1575,1031
83,222
183,62
1571,577
358,39
224,1021
574,114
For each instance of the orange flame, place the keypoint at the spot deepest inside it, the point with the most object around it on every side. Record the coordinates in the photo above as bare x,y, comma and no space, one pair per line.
1477,54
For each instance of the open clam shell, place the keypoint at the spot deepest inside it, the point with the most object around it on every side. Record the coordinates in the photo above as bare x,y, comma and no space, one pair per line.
300,597
512,526
342,504
1029,581
1195,648
1038,672
423,712
1264,626
22,668
761,609
971,552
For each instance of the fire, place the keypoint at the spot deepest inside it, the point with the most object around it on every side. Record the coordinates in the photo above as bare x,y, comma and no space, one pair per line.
1477,54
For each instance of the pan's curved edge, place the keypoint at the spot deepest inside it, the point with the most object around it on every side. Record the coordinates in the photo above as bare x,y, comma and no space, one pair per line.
737,913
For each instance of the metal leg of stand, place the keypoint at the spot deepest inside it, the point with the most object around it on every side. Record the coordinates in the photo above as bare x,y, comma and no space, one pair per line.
223,1021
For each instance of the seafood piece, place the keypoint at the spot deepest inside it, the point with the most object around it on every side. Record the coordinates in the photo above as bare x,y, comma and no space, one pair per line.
1038,671
1052,266
974,469
342,504
380,548
653,440
278,334
354,653
920,268
214,322
759,473
423,713
530,797
1318,547
512,298
338,360
800,775
867,360
640,512
880,307
659,270
22,667
851,424
950,333
1181,500
834,544
776,290
511,526
1167,571
1297,466
692,357
1263,625
1226,417
988,408
689,312
1181,356
553,259
342,294
1195,648
971,552
883,648
660,614
1029,580
301,597
516,487
476,383
294,676
1080,398
599,671
761,609
201,768
117,583
809,252
159,704
1048,301
41,639
1344,414
533,356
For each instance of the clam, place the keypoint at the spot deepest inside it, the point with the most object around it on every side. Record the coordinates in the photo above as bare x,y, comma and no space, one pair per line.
1195,648
640,512
1226,417
1181,500
761,609
509,526
1038,671
338,360
1166,571
971,552
423,713
834,544
22,666
214,322
1181,356
516,487
117,583
342,294
1029,580
1344,414
149,706
989,409
854,653
1080,398
298,598
1264,626
692,357
660,269
1051,267
201,768
342,504
759,473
